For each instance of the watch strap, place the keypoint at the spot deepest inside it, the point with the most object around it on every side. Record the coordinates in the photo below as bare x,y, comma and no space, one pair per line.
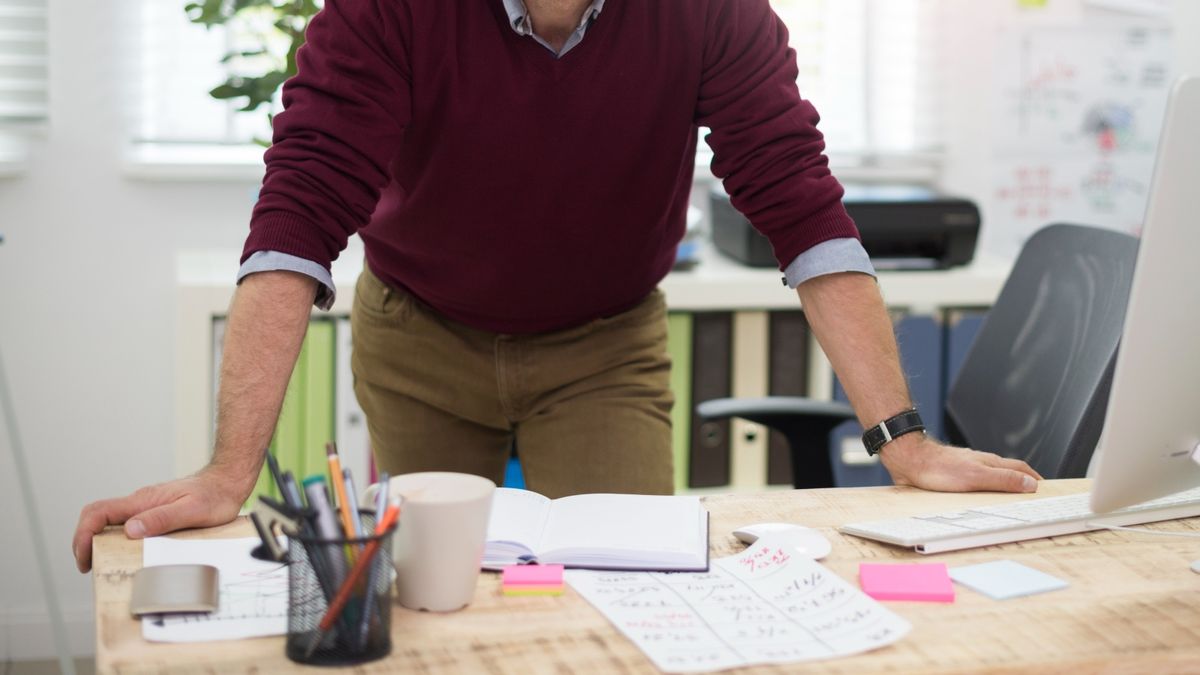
893,427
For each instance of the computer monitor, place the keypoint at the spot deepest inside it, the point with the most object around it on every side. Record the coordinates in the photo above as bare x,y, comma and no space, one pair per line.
1150,444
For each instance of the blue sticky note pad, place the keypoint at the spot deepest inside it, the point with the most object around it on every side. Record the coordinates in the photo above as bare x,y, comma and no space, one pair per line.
1004,579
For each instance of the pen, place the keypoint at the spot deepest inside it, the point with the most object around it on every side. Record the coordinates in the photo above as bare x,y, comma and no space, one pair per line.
343,594
327,529
352,504
381,499
339,487
273,465
291,492
380,512
293,498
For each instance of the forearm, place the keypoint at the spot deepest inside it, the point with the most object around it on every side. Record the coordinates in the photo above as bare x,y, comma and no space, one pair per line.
847,314
267,322
848,317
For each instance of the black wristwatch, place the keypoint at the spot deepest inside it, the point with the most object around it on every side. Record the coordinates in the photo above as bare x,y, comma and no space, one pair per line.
893,427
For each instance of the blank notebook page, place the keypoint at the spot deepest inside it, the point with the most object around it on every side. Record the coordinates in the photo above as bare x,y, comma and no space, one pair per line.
625,522
518,516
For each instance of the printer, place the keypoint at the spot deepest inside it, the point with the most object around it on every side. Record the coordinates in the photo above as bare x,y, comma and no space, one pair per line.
902,227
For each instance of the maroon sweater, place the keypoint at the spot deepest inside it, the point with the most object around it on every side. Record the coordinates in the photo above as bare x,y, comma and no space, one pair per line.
516,192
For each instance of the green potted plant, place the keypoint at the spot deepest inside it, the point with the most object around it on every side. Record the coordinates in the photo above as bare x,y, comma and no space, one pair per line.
275,31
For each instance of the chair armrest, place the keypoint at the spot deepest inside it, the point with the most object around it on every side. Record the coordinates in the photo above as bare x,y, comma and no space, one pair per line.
774,407
805,423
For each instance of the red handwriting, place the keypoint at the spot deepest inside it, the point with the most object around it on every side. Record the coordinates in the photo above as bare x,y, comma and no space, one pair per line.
764,559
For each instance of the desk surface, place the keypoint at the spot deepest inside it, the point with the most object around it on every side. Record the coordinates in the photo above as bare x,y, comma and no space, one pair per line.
1133,605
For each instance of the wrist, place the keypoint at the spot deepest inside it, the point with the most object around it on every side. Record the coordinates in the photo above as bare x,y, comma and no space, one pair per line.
233,481
906,423
907,456
904,444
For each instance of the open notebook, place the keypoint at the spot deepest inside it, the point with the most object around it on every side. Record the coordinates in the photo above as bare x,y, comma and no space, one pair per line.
597,531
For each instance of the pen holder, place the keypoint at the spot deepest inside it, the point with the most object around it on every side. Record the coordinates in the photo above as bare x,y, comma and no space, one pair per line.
319,570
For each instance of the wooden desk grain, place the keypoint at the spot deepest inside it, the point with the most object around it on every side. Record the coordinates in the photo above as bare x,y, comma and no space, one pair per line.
1133,605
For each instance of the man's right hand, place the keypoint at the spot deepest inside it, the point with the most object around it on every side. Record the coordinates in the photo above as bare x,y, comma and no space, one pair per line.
206,499
267,322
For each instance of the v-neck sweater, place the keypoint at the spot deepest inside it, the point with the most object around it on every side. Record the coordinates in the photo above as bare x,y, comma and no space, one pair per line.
499,184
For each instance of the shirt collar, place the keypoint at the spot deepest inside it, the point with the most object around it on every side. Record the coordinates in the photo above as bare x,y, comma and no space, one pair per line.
518,15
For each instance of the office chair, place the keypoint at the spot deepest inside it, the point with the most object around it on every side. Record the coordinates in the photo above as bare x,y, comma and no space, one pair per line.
1035,382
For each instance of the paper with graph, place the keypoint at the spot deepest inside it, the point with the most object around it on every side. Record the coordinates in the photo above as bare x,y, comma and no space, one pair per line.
254,594
1077,115
764,605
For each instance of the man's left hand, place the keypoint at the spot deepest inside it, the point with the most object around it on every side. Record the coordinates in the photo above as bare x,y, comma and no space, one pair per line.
921,461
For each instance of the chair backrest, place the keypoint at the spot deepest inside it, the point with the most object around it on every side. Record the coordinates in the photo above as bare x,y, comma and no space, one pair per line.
1035,382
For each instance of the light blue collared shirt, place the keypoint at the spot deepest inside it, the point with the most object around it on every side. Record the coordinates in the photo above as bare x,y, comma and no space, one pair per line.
828,257
518,18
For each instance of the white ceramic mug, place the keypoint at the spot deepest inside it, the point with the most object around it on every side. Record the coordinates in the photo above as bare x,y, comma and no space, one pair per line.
438,545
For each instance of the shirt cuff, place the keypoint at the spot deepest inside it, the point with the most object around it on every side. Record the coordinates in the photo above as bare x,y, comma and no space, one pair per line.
845,254
269,261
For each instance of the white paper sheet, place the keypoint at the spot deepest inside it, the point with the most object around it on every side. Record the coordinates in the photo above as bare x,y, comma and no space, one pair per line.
254,594
764,605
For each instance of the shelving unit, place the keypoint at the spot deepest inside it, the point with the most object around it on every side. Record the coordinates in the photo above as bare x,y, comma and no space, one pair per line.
205,284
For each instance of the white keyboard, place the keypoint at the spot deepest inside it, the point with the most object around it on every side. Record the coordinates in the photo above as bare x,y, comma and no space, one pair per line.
1018,521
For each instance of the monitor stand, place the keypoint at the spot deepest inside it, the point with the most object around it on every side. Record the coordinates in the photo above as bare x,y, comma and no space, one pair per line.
1196,459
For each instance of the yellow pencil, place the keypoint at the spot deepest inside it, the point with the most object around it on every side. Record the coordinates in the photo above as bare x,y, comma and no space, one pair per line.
339,487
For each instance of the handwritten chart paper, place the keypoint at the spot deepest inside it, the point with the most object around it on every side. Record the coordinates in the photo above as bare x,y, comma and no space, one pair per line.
254,594
764,605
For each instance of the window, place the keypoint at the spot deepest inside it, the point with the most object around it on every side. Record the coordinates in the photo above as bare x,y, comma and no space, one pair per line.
865,64
22,62
181,61
869,67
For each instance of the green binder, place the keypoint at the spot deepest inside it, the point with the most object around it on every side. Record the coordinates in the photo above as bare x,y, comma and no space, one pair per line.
316,411
679,348
306,418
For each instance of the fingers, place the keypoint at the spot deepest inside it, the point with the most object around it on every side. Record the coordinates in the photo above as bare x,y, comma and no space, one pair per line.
184,512
1004,480
96,516
1009,463
951,469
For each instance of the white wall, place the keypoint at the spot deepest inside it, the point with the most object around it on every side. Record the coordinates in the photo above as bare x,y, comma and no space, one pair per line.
973,33
86,295
1187,49
86,314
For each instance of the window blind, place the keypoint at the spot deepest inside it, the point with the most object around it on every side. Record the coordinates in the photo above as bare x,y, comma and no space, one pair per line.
867,65
23,62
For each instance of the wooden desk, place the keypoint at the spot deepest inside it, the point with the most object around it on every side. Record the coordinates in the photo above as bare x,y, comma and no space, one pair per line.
1133,605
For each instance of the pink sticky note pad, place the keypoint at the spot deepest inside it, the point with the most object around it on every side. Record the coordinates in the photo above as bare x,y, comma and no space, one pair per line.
925,582
533,575
521,590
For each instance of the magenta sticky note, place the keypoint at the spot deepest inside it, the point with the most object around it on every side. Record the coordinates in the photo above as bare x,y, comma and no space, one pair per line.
533,575
925,582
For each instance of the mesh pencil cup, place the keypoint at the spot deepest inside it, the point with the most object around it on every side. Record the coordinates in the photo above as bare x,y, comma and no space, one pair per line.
319,570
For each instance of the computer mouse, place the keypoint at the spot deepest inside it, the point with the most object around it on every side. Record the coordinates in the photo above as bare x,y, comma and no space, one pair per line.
808,541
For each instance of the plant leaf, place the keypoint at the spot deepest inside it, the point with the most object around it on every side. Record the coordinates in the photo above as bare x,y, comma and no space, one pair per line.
233,55
207,12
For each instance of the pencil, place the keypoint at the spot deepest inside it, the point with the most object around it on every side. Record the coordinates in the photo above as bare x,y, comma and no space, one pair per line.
364,561
339,487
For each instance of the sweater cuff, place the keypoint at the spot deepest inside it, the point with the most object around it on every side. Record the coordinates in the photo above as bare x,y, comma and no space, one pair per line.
269,261
829,257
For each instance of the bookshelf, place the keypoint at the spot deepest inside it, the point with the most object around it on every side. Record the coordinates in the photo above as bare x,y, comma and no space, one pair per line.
750,296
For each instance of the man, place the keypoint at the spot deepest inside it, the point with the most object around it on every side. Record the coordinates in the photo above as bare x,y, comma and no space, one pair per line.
519,174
